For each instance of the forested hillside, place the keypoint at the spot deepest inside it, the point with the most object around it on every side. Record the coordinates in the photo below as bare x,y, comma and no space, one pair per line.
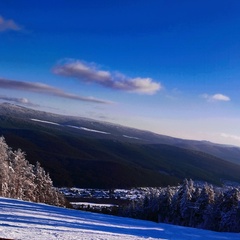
92,154
192,205
22,180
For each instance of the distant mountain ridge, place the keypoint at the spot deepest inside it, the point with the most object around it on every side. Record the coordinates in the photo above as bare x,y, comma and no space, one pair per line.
89,153
226,152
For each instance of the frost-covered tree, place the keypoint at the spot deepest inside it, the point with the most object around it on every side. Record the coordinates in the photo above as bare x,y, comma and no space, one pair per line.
151,206
204,205
44,190
29,185
4,167
230,211
214,217
186,205
165,200
20,179
179,210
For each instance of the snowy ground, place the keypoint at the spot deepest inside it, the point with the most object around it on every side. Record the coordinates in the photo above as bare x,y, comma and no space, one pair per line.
31,221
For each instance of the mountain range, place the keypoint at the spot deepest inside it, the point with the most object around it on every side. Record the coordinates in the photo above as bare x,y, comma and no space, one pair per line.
89,153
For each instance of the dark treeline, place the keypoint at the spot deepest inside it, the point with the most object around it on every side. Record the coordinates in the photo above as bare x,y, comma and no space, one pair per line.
22,180
205,207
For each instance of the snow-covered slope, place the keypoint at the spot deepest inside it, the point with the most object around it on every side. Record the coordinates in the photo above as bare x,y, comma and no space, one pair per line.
31,221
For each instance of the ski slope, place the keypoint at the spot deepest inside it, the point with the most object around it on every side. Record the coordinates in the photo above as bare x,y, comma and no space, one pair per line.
32,221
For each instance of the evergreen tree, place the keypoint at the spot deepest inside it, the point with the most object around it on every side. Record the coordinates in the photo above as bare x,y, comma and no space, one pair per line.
185,203
165,200
19,179
180,212
22,179
230,211
4,167
151,206
194,215
214,217
205,198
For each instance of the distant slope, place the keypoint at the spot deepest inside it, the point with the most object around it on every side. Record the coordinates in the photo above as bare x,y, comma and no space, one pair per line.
118,132
87,153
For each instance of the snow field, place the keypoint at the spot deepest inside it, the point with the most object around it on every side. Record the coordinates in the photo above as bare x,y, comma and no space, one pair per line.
21,220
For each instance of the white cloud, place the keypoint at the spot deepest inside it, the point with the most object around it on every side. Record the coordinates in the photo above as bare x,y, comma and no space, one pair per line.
45,89
90,73
220,97
6,25
216,97
24,101
234,137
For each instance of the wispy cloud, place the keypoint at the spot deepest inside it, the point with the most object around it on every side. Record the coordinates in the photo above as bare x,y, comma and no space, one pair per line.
23,101
9,24
45,89
216,97
90,73
234,137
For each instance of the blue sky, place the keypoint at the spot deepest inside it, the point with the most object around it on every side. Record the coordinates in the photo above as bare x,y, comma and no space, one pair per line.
170,66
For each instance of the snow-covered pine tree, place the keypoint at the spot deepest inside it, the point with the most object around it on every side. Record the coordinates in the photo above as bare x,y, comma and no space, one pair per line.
44,191
20,179
186,206
43,183
194,215
179,213
165,200
204,202
151,206
214,217
4,167
230,211
28,184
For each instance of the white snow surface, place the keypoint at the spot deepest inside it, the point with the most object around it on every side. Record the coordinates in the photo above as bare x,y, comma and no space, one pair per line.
32,221
88,129
126,136
92,204
42,121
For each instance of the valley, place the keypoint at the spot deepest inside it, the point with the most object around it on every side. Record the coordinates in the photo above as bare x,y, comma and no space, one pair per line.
91,154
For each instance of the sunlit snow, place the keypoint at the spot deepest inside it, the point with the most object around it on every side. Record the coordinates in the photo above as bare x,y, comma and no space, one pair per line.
81,128
92,204
21,220
126,136
88,129
42,121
